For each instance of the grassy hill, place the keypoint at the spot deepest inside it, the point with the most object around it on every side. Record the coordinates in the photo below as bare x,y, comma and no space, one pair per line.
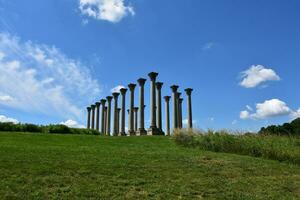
45,166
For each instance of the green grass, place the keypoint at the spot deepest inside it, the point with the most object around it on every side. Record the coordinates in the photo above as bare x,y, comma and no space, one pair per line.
46,166
281,148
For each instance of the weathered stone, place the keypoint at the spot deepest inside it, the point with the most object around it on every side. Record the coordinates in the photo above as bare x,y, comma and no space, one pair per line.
88,126
141,130
131,108
108,114
189,105
167,101
115,127
123,93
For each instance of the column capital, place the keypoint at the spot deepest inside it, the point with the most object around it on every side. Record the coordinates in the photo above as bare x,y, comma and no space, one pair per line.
89,109
123,91
119,109
109,98
115,95
97,104
141,81
131,86
180,100
167,98
103,101
153,75
178,94
128,111
174,88
136,109
159,85
188,91
93,107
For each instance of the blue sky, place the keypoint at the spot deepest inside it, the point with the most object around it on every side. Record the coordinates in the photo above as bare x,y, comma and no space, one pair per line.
241,57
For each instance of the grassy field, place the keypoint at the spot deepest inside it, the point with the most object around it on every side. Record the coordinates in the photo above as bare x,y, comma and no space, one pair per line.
45,166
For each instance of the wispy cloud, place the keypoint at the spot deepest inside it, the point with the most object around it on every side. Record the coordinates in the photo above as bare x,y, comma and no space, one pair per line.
37,78
208,46
117,88
109,10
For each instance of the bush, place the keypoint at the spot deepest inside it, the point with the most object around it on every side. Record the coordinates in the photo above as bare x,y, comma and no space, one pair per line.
271,147
53,129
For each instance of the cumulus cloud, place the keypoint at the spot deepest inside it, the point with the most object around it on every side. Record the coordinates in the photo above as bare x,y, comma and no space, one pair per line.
109,10
117,88
295,114
256,75
72,124
36,78
268,109
8,119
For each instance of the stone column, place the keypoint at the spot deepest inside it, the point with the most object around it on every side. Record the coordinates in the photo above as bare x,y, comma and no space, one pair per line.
108,114
167,101
103,101
131,109
159,113
88,125
115,127
118,124
97,115
189,107
123,93
141,130
128,119
180,112
174,96
105,120
93,116
153,130
178,94
136,109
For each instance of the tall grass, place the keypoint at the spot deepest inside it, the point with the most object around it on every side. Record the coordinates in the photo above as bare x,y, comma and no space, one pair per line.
271,147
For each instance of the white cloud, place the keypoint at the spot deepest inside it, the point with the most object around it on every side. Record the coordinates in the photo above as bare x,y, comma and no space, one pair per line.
249,108
295,114
72,124
185,122
41,79
109,10
7,119
256,75
5,98
208,46
117,88
268,109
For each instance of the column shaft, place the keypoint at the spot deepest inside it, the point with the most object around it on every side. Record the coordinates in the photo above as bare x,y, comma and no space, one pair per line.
167,101
174,97
97,115
159,109
123,93
103,101
131,109
141,130
93,116
115,127
88,126
108,122
189,107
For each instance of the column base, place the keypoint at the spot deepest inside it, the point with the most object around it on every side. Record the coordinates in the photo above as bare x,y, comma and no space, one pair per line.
131,133
141,132
122,134
155,131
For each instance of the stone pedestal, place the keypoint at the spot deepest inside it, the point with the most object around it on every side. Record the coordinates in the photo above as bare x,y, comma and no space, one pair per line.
115,127
131,109
123,93
167,101
103,101
108,114
141,129
88,126
189,107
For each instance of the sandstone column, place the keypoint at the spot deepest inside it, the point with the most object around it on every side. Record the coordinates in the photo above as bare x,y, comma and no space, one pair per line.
136,109
97,115
123,93
189,105
180,112
118,120
88,126
105,120
141,130
115,127
93,116
103,101
178,109
108,114
128,119
159,113
167,101
131,109
174,96
153,130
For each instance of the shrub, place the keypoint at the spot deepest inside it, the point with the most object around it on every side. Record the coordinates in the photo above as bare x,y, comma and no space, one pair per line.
271,147
62,129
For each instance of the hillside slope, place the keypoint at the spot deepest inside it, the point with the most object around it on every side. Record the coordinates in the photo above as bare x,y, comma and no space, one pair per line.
48,166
